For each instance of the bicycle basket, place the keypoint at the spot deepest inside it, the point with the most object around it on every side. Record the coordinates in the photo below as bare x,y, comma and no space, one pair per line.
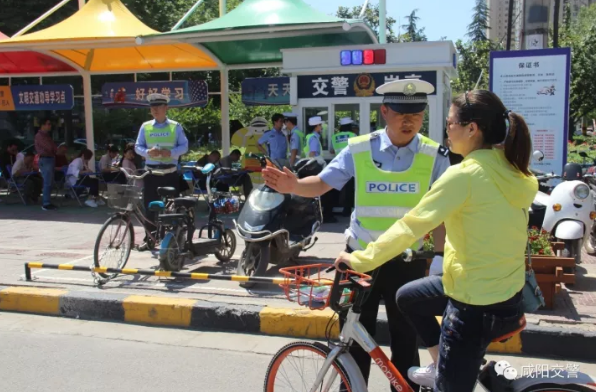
120,196
307,286
225,203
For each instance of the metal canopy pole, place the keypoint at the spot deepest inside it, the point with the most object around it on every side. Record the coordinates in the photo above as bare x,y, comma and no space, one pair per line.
382,21
88,111
41,18
222,8
225,111
187,15
81,3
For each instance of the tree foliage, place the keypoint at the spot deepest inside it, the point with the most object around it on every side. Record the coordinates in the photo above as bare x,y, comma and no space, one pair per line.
473,61
477,29
371,17
580,36
412,32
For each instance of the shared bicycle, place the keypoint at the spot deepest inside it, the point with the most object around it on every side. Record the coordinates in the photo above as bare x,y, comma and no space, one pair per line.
313,366
117,234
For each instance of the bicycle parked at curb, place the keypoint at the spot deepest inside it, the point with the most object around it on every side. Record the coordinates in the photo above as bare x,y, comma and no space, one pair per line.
118,231
179,242
326,368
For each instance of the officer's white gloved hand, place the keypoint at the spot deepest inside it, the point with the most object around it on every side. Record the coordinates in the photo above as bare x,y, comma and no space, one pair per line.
436,267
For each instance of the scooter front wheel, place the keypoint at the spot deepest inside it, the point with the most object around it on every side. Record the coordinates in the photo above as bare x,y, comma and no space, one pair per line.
254,261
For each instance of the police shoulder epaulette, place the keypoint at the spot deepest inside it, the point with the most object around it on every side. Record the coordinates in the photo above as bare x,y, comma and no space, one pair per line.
375,134
443,151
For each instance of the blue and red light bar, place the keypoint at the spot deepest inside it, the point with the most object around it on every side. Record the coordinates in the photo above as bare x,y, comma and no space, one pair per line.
363,57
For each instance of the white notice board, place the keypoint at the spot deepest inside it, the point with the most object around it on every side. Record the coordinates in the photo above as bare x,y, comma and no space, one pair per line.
535,84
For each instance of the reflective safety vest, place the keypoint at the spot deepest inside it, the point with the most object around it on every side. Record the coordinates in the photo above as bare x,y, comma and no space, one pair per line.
340,140
384,197
306,148
302,138
165,138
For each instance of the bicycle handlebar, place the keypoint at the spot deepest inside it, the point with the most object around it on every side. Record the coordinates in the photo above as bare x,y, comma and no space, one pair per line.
134,177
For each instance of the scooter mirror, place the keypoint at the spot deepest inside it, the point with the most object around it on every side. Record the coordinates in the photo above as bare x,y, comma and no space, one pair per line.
538,156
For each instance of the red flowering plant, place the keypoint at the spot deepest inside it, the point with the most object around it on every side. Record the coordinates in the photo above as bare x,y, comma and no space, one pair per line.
428,243
540,242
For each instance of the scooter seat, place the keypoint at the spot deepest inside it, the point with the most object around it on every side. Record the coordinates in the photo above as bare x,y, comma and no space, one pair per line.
167,192
187,202
536,206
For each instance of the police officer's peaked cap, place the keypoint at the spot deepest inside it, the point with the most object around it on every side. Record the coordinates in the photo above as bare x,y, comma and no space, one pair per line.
406,95
290,115
346,121
316,120
157,99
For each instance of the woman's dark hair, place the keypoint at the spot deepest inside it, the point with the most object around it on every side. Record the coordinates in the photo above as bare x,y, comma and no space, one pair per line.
498,125
86,154
129,147
113,148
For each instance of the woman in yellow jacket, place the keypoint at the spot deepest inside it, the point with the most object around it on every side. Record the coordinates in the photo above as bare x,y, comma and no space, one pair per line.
483,202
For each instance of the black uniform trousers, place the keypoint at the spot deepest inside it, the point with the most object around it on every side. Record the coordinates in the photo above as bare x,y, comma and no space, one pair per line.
151,183
404,348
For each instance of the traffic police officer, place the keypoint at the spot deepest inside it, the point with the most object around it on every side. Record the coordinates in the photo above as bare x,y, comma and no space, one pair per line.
340,139
276,141
313,147
297,138
161,141
393,169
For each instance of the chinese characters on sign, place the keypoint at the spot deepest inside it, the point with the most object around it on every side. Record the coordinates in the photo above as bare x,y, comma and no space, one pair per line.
134,94
354,85
266,91
535,84
571,370
41,97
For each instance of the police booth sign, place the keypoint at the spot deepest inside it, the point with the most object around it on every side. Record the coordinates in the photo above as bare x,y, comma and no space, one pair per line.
392,187
354,85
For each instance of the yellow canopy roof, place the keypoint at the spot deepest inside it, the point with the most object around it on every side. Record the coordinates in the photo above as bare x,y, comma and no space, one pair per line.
101,38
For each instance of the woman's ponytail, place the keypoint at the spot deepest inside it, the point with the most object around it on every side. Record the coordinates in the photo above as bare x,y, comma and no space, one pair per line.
518,143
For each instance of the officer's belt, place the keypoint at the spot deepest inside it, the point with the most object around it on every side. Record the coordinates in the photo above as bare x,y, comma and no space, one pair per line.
166,169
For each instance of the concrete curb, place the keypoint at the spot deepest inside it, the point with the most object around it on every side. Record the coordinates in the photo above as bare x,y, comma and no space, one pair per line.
301,323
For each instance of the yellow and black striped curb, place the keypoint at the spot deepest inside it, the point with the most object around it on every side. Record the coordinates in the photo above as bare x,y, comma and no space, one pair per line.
164,311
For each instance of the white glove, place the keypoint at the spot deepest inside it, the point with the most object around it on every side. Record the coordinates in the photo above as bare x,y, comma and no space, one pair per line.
436,267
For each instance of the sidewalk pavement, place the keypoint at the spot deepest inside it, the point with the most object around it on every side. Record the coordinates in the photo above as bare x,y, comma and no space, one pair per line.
68,236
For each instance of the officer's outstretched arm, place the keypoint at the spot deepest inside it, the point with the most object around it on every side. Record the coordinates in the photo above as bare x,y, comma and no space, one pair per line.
286,182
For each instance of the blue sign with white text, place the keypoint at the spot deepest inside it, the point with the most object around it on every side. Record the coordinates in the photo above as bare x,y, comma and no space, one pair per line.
266,91
43,97
182,93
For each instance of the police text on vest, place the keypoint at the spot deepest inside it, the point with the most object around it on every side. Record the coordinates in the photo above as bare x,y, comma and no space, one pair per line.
159,134
392,187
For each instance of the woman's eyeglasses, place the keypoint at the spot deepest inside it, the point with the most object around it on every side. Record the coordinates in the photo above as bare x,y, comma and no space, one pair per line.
450,123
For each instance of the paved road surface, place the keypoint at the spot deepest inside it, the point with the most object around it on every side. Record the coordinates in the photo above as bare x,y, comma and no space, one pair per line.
53,354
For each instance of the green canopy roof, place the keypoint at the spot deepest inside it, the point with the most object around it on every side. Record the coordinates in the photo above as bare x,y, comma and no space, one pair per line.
256,31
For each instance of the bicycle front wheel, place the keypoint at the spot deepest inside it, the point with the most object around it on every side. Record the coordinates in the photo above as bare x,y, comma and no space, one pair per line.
113,245
295,368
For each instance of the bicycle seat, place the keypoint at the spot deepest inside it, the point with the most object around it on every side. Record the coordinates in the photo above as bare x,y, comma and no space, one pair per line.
167,192
157,206
509,335
187,202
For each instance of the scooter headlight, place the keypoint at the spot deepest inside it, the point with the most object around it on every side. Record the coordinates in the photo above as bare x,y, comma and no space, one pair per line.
582,191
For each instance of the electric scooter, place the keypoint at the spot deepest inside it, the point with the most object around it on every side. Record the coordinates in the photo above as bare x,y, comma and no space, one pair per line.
568,212
180,244
276,227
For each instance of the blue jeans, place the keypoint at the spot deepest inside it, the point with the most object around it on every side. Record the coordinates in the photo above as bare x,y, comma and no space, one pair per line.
465,333
47,168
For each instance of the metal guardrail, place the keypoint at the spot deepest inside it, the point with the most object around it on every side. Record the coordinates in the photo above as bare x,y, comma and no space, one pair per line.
145,272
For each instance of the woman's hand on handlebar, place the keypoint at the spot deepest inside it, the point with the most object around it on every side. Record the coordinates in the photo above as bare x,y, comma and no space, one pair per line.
343,261
282,181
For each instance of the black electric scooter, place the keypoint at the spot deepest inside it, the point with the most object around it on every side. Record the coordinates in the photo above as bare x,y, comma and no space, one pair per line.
277,227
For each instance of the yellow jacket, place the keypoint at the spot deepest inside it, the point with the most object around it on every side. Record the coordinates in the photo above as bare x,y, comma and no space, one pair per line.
483,202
